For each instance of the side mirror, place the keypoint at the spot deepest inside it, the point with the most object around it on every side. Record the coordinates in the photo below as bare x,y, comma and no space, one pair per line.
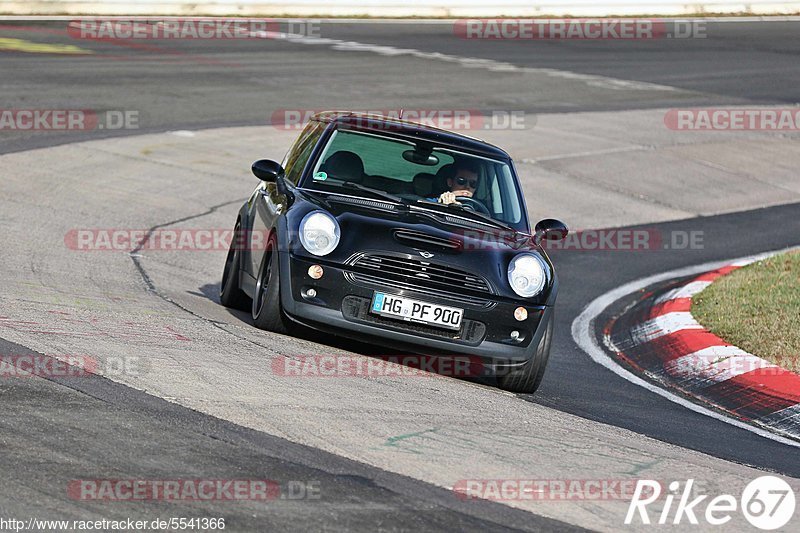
551,229
267,170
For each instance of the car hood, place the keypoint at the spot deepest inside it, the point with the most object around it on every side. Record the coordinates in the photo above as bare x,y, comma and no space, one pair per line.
376,227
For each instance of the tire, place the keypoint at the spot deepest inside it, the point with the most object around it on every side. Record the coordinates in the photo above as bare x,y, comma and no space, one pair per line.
266,309
230,293
527,379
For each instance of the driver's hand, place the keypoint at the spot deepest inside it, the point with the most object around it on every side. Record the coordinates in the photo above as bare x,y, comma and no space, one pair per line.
448,198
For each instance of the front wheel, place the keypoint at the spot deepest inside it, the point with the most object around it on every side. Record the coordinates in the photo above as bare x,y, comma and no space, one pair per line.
230,293
527,378
267,311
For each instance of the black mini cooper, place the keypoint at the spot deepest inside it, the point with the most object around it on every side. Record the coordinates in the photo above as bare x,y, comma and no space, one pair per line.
401,235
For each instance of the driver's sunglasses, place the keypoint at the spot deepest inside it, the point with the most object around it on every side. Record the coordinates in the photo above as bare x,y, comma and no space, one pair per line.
463,181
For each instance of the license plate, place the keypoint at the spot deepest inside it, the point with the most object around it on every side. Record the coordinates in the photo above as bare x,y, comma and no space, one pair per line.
415,311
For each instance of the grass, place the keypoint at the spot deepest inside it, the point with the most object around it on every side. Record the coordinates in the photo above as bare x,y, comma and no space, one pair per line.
757,308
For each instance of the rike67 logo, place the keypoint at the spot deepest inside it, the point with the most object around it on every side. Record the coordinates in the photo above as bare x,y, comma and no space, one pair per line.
767,502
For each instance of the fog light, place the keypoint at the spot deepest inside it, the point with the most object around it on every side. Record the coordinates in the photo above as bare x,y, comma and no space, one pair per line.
315,272
515,335
520,313
311,293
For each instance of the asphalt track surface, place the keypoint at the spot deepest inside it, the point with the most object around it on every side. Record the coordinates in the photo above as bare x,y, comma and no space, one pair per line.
150,438
200,84
51,428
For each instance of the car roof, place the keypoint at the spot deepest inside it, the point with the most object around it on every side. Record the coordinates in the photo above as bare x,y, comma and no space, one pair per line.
375,123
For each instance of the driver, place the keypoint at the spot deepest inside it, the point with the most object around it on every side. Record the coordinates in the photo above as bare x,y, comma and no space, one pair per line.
463,183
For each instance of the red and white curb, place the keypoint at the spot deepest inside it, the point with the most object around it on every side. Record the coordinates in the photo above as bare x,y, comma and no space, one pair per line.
659,339
712,360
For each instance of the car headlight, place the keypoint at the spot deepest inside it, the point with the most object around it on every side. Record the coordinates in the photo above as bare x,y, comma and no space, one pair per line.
527,275
319,233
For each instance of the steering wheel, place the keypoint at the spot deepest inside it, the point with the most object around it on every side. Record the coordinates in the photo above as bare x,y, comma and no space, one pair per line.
472,204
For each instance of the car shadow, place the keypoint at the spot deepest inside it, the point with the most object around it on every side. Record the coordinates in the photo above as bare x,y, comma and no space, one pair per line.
431,363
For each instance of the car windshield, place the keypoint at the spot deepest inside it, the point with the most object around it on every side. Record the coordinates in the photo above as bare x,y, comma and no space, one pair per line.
420,171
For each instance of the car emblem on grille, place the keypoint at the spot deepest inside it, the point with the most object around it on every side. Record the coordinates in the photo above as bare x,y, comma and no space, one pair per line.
426,255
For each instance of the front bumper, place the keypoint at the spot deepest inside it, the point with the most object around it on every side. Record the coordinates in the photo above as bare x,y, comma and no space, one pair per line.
341,307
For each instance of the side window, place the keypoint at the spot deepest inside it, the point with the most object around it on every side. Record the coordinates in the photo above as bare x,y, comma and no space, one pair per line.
298,156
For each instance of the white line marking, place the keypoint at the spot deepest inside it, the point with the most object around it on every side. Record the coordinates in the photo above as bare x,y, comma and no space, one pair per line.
662,325
583,334
587,153
745,262
785,417
687,291
469,62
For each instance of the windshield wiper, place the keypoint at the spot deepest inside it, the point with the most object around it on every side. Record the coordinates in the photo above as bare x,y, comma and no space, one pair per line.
377,192
463,210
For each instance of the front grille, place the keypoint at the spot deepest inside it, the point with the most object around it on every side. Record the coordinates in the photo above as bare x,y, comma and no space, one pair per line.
357,308
376,282
420,273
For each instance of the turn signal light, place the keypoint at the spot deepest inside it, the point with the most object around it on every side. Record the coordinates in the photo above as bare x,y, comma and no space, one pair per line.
315,272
